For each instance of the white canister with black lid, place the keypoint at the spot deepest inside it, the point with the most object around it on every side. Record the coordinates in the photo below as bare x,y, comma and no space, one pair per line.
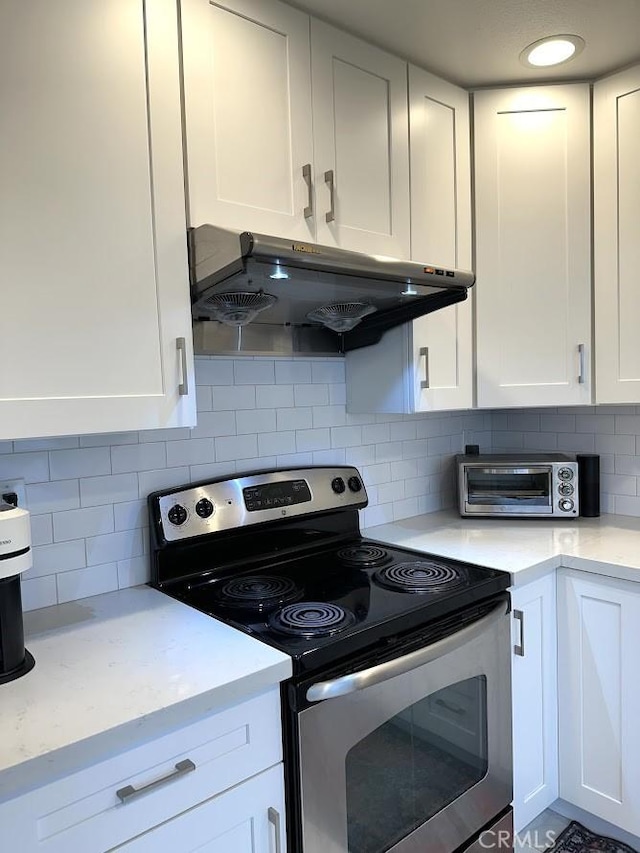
15,558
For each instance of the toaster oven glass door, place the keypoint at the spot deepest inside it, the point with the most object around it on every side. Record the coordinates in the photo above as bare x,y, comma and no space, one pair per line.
515,489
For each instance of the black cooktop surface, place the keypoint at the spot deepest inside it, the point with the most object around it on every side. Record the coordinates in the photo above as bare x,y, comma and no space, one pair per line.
333,602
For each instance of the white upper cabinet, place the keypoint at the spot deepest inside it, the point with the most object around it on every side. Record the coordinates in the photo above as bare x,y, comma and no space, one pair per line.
92,231
617,237
427,364
361,150
533,248
247,88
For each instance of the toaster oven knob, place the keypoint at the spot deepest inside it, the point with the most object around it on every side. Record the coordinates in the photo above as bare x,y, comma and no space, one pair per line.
338,485
204,508
565,489
565,474
355,484
566,504
177,515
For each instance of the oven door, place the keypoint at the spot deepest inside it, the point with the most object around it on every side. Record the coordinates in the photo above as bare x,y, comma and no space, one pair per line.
412,754
507,490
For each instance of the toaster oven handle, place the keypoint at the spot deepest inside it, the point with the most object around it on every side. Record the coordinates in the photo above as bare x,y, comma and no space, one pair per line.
383,672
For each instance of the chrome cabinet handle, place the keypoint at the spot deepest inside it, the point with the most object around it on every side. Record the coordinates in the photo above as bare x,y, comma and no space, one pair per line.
328,179
129,793
181,346
306,174
424,351
453,708
518,649
581,370
384,671
273,816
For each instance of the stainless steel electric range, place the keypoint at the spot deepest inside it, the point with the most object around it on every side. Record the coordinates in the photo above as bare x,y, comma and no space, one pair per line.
397,720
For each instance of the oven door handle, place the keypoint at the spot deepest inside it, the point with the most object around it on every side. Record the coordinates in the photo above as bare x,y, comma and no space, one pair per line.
383,672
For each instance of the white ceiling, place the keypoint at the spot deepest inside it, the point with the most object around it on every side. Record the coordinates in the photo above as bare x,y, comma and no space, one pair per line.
478,42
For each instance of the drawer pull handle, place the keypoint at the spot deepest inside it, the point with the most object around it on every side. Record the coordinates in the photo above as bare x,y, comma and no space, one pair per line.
518,649
306,174
329,181
273,816
127,794
424,353
183,387
453,708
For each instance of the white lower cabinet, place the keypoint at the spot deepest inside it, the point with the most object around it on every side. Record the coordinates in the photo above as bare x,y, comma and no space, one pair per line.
534,685
215,784
246,819
599,696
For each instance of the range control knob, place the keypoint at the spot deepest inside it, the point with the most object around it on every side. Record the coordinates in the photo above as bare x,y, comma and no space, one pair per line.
565,474
566,504
204,508
177,515
338,485
565,489
355,484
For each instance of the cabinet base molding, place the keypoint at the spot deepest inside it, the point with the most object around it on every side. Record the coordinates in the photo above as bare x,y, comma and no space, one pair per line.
595,824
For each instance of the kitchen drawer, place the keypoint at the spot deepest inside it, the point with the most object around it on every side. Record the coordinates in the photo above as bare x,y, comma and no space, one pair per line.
83,812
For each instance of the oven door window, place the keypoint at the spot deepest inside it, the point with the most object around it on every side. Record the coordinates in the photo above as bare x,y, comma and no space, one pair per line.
415,764
522,487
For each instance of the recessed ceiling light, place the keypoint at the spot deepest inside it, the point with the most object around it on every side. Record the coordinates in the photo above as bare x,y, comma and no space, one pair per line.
552,50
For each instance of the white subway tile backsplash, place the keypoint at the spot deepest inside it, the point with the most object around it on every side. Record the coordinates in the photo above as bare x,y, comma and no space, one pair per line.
598,423
236,447
210,471
116,546
108,439
274,396
195,451
82,583
277,443
233,397
406,508
331,372
41,529
130,515
376,474
560,423
389,492
177,434
163,478
337,456
294,460
618,484
136,457
337,395
365,455
52,497
376,433
83,462
576,442
31,467
110,489
293,372
311,395
346,436
389,451
31,444
204,398
247,372
59,557
329,416
403,430
133,572
625,444
212,424
256,421
214,371
39,592
292,419
313,439
6,447
80,523
244,466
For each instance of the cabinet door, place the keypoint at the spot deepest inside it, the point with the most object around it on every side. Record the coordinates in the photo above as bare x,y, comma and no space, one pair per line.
246,819
361,144
92,231
617,237
599,692
247,82
533,292
535,700
428,364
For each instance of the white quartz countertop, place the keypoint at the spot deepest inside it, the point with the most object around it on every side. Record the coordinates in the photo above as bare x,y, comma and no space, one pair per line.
127,665
528,548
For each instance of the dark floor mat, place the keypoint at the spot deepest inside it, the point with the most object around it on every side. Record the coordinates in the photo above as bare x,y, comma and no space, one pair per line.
577,839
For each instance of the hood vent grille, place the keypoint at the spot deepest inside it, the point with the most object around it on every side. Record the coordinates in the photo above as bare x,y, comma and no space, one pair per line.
341,317
238,308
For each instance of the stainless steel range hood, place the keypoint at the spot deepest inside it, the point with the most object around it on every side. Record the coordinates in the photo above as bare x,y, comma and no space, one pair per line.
257,294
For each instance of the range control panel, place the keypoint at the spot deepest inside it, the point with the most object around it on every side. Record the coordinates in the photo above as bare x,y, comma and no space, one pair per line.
269,496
